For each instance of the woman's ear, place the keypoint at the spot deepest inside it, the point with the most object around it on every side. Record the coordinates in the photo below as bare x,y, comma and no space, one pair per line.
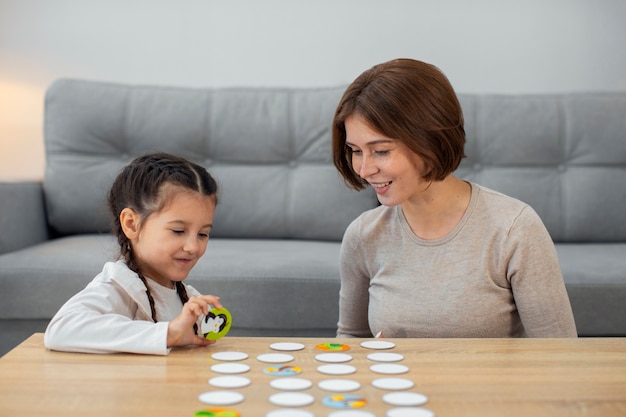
129,219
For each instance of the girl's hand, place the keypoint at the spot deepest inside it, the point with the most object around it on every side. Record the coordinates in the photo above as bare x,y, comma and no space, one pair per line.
180,330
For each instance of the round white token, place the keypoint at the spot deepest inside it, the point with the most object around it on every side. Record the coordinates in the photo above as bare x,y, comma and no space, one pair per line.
393,383
385,357
275,357
289,412
333,357
378,344
230,368
339,385
339,369
405,399
292,399
351,413
221,397
229,381
410,412
286,346
291,384
229,356
389,368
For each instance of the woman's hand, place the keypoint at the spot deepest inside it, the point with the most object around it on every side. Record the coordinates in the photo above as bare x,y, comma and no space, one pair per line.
180,330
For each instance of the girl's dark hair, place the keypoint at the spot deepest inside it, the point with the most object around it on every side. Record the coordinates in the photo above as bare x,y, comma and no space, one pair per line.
410,101
140,186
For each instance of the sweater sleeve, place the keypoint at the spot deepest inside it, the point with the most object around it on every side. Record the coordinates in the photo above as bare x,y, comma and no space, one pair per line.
536,279
101,319
354,293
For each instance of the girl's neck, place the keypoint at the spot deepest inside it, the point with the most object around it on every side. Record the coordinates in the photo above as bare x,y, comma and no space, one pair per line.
437,210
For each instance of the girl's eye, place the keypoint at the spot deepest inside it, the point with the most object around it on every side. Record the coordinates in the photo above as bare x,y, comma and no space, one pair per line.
203,235
178,232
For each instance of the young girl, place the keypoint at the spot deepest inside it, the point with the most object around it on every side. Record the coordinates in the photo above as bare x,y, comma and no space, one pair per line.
162,208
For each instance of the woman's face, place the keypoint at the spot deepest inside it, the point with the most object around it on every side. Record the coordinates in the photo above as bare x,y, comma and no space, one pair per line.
388,165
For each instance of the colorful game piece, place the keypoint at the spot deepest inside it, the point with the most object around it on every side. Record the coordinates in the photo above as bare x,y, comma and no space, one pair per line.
286,370
229,356
385,357
289,412
378,344
393,383
217,412
292,399
229,381
221,397
405,399
344,401
230,368
389,368
291,384
287,346
332,347
333,357
338,369
275,357
410,412
216,324
339,385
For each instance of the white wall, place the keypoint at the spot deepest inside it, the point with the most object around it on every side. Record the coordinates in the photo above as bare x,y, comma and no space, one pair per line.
484,46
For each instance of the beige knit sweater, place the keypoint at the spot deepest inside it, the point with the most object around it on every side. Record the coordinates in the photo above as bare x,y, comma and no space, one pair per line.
495,275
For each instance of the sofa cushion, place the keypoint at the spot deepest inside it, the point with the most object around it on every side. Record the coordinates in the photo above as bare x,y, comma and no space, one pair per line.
268,148
565,155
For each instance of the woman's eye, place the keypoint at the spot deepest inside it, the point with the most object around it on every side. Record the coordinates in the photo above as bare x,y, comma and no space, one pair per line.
381,152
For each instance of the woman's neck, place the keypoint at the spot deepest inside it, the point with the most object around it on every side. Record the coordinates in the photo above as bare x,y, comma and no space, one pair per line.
436,211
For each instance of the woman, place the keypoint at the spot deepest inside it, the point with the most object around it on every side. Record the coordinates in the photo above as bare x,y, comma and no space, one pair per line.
441,257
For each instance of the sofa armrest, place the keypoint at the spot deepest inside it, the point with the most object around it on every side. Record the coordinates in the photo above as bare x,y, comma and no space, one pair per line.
22,215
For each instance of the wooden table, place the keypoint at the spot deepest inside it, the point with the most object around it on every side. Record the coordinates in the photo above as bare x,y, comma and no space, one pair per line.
461,377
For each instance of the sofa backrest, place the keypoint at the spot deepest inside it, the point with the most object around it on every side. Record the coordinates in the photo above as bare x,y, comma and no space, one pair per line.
269,149
564,154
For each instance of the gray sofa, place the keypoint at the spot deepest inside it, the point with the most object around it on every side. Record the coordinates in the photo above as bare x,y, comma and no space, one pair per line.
273,254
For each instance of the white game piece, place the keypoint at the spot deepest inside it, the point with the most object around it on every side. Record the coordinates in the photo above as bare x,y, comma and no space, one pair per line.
339,369
275,357
378,344
410,412
339,385
230,368
229,381
389,368
286,346
405,399
385,357
289,412
333,357
393,383
351,413
221,397
292,399
229,356
291,384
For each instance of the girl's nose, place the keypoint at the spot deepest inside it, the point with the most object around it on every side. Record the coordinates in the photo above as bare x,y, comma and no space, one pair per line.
191,245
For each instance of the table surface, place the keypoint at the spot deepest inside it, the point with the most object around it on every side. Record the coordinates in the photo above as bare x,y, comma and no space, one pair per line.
460,377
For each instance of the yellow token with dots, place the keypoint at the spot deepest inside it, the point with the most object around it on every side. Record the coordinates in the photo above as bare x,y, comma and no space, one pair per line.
332,347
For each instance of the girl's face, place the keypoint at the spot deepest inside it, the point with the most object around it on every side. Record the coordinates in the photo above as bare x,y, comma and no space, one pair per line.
169,242
392,169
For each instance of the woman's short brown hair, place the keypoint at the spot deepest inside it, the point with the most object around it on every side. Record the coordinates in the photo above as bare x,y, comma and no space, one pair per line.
410,101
